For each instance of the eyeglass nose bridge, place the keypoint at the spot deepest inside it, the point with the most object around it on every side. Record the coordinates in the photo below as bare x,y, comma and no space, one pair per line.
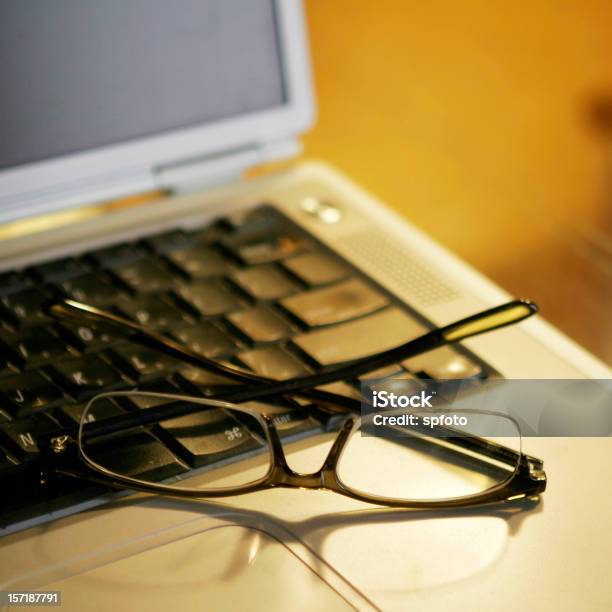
324,478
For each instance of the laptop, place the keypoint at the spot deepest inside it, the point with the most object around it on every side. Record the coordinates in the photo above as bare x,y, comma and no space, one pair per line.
130,136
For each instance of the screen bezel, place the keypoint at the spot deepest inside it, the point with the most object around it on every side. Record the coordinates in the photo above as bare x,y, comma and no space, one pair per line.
23,187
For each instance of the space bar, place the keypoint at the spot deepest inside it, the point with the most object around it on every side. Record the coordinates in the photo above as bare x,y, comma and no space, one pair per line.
359,338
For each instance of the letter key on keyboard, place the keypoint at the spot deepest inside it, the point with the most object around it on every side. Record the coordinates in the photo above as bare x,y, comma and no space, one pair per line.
346,300
347,341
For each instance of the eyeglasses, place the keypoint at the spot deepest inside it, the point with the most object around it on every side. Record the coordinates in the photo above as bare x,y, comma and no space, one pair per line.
431,468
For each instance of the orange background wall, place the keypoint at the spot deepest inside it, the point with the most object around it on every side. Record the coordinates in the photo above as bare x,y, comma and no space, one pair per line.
475,121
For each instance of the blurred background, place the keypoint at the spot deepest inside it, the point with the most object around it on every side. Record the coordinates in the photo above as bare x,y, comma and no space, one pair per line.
488,127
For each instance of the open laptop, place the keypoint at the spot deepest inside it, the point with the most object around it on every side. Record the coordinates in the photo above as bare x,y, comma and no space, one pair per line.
106,101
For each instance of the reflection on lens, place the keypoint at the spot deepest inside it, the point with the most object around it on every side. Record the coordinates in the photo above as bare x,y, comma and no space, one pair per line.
430,462
204,437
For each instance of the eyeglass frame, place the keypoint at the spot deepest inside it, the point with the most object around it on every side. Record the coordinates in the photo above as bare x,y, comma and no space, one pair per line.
530,469
526,481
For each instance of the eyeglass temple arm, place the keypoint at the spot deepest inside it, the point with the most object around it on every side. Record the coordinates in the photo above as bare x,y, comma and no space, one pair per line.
485,321
118,326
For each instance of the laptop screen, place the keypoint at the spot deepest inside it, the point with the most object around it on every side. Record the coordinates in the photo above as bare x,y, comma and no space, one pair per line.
85,74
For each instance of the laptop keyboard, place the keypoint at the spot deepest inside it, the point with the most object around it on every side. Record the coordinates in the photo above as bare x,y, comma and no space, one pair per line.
252,289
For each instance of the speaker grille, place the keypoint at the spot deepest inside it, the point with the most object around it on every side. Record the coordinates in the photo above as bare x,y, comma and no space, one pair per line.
403,267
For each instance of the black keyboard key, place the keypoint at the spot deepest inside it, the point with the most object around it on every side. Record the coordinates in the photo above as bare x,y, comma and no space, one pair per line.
58,270
443,364
355,339
6,369
206,339
94,288
205,437
101,409
142,363
340,387
151,310
171,240
200,382
10,282
316,268
146,276
143,401
263,238
161,385
28,393
7,464
21,437
117,255
398,383
85,376
269,249
273,362
210,233
26,307
253,217
35,346
85,338
200,261
342,302
140,402
265,282
210,297
386,372
141,456
261,324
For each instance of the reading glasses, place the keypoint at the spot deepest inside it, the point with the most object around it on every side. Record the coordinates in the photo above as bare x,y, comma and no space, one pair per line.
430,468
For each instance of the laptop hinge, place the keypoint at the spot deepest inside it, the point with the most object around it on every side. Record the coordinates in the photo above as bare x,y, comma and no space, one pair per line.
76,193
220,168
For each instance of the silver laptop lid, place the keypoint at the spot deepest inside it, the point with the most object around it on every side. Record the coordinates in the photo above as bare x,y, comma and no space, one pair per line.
102,99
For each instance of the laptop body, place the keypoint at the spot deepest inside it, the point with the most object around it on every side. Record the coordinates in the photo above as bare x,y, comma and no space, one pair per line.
358,557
